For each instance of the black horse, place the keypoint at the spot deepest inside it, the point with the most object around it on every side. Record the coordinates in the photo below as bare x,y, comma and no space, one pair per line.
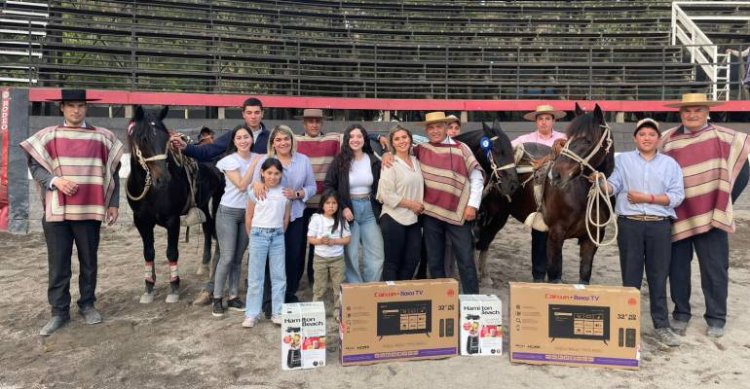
492,149
565,205
160,189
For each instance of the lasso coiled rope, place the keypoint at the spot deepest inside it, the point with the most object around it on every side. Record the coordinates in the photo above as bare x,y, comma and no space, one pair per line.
596,192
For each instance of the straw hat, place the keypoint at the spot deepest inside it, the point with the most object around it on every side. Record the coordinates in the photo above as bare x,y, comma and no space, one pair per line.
647,122
435,117
548,109
694,100
453,119
312,113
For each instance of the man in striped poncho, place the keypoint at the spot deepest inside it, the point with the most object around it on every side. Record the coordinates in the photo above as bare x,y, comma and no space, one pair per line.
76,166
714,165
453,182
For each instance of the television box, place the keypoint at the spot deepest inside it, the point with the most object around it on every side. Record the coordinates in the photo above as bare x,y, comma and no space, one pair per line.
398,320
481,324
575,325
303,335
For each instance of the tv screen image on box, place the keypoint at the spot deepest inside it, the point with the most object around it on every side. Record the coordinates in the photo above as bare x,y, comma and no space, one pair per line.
404,317
579,322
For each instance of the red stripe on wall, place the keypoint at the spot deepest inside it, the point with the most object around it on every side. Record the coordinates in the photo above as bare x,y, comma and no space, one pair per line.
115,97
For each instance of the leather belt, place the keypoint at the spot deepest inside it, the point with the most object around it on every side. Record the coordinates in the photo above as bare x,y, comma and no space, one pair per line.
360,196
645,218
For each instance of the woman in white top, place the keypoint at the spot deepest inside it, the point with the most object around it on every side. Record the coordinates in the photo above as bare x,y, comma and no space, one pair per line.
232,239
354,174
401,190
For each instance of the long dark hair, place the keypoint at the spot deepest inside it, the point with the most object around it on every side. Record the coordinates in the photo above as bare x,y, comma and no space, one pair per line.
231,147
338,217
269,163
344,159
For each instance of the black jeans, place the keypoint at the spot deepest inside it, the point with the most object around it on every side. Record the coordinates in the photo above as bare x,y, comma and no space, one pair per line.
436,232
403,250
539,255
712,248
60,237
648,244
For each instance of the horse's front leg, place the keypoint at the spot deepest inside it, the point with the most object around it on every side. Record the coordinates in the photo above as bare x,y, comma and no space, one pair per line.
587,252
555,241
173,238
208,232
146,230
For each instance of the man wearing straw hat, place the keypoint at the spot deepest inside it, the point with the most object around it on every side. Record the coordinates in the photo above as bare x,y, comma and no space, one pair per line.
76,167
449,209
714,164
544,116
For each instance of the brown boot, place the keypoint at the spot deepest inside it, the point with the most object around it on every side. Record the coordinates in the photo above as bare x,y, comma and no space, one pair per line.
203,298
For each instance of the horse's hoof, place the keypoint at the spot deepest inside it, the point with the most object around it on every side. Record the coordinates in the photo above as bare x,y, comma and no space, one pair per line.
202,269
556,281
173,298
147,298
582,282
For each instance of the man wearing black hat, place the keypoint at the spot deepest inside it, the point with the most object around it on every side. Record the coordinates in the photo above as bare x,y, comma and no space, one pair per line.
648,186
76,166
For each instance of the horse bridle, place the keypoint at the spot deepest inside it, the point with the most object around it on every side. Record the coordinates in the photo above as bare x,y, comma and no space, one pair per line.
585,162
495,179
143,162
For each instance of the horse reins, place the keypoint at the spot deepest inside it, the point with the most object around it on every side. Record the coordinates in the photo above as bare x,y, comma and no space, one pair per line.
143,163
595,192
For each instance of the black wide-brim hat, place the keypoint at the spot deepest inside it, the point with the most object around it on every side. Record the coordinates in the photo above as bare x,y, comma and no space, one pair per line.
73,95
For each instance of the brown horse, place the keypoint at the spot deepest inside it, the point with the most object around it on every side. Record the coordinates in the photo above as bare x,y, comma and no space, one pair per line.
497,207
589,148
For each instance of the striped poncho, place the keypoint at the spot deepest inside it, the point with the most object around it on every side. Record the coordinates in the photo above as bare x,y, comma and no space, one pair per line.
321,150
86,156
446,169
710,160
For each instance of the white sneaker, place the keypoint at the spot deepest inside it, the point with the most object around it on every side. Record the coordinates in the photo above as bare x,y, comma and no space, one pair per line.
249,322
276,319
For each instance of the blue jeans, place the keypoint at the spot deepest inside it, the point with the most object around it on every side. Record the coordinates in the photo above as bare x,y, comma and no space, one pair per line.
265,243
365,234
232,238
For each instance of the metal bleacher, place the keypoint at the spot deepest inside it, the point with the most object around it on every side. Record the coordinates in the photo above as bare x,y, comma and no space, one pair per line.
376,48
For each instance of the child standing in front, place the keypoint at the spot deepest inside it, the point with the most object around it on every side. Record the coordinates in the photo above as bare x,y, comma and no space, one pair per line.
329,233
266,220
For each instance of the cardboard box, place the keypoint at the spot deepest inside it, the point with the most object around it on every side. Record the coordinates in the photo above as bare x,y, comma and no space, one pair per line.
575,325
401,320
481,324
303,335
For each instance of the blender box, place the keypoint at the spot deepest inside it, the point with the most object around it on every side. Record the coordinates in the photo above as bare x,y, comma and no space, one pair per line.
303,335
575,325
481,324
398,320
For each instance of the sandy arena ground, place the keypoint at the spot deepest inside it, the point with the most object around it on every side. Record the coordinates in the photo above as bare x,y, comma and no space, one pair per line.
179,345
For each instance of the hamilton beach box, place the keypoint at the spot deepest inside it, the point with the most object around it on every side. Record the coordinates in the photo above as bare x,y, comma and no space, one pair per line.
575,325
481,324
398,320
303,335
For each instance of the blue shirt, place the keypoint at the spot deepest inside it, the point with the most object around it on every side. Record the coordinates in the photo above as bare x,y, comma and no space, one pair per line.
660,175
298,175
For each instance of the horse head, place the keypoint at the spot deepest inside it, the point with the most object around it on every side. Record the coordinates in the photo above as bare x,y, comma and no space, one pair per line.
491,146
149,143
589,148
